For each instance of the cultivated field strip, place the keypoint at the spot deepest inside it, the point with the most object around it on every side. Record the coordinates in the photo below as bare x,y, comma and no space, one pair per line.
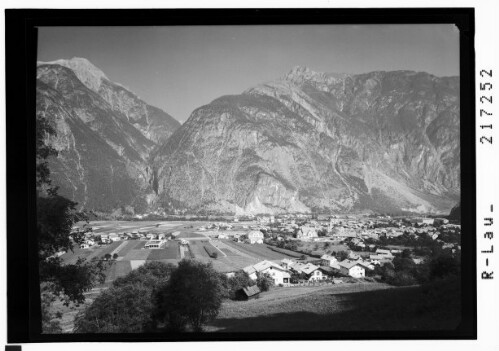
118,269
257,250
216,244
119,248
171,251
225,245
197,248
131,244
137,254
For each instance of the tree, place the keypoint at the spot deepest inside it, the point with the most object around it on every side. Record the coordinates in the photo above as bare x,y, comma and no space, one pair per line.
127,306
322,232
56,217
445,264
125,309
264,281
193,296
341,255
115,256
296,277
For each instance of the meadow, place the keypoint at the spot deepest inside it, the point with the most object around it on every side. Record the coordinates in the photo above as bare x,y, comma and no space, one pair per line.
343,307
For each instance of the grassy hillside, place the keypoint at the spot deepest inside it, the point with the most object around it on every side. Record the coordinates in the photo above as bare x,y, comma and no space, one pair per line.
348,307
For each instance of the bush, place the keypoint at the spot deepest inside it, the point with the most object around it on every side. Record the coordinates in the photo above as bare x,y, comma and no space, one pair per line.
402,279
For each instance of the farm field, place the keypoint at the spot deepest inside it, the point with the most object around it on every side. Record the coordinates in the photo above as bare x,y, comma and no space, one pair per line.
345,307
232,256
197,250
131,245
117,269
233,263
190,235
256,250
171,251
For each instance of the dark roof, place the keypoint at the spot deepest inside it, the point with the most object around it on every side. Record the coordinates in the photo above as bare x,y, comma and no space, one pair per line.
251,290
327,269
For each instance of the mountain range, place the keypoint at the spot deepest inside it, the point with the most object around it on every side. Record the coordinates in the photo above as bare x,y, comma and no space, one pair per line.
307,141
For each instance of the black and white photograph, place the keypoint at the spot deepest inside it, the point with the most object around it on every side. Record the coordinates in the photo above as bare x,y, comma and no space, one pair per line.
257,180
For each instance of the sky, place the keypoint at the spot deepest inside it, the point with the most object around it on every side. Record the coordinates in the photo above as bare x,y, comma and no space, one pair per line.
181,68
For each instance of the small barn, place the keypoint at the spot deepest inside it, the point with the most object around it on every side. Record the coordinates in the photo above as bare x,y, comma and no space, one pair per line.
248,293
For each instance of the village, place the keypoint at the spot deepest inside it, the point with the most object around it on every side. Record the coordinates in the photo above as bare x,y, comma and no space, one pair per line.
294,250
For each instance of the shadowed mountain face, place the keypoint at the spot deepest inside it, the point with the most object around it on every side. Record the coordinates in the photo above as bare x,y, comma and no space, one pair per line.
386,141
104,136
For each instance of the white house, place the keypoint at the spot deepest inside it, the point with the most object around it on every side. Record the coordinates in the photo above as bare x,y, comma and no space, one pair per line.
312,271
84,246
352,268
307,233
278,273
328,260
114,237
255,237
154,244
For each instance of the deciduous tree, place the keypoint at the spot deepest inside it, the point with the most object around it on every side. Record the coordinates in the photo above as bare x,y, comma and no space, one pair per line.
56,217
193,296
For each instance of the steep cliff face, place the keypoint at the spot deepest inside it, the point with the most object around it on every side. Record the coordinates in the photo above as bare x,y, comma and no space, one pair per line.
155,124
102,160
386,141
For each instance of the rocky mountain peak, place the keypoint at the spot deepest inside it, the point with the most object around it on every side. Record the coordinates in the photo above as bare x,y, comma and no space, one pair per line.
302,74
86,72
299,73
325,142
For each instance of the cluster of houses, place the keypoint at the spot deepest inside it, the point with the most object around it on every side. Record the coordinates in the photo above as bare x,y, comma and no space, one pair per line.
92,239
319,270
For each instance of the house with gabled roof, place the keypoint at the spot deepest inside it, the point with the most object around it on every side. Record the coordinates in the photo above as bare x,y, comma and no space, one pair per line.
312,271
255,237
352,268
328,260
248,293
307,232
279,274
